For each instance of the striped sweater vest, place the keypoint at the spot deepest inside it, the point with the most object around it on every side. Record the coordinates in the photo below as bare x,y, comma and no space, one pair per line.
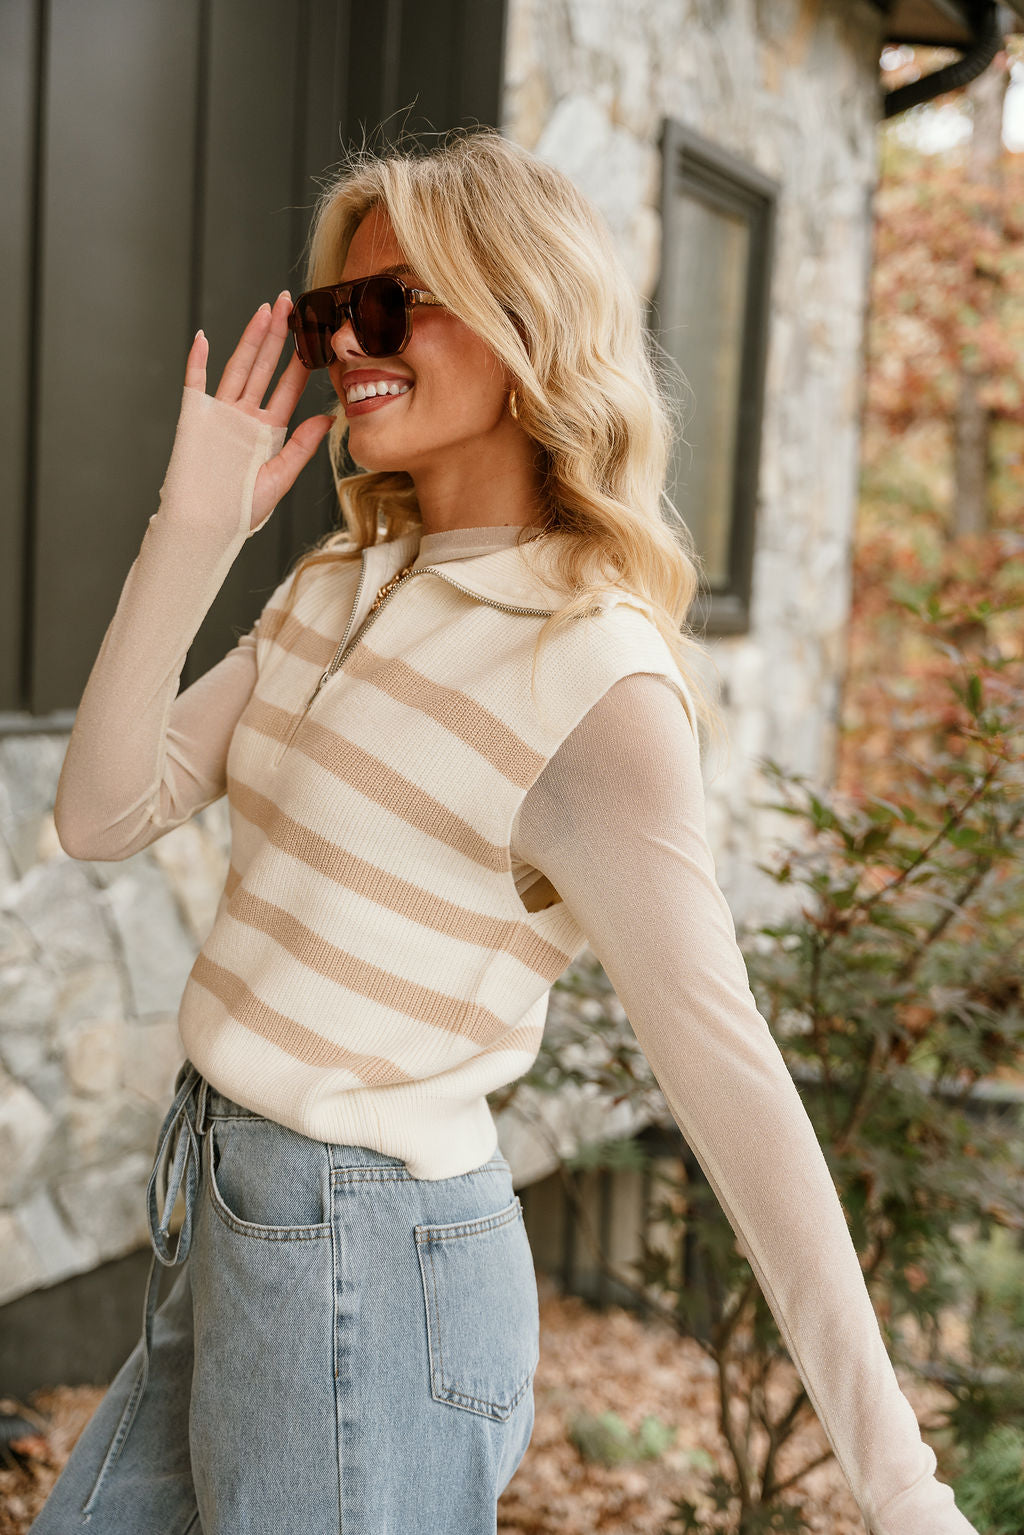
372,972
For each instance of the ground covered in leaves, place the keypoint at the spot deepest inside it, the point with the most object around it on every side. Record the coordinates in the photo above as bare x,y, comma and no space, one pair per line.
593,1363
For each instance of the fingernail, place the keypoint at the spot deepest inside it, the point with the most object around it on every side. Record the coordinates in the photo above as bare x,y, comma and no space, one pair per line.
284,294
195,338
263,306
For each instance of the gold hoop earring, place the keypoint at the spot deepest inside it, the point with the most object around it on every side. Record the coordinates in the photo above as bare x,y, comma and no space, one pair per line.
513,407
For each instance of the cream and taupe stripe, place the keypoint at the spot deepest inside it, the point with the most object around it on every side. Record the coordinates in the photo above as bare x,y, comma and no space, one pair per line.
371,930
375,780
394,893
453,710
385,987
314,1049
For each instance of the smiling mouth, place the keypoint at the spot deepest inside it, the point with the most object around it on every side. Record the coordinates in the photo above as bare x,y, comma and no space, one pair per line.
388,388
372,403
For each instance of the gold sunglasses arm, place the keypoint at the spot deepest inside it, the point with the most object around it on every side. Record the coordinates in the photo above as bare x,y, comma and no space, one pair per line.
421,296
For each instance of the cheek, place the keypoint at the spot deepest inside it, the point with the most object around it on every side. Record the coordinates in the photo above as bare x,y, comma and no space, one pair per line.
456,372
456,414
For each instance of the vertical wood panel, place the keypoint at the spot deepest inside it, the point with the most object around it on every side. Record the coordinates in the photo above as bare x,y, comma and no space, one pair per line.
372,87
429,64
451,62
312,507
254,82
116,230
328,52
18,22
180,149
479,80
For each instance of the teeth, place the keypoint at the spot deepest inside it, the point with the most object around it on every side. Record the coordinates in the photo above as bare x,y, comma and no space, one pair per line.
371,391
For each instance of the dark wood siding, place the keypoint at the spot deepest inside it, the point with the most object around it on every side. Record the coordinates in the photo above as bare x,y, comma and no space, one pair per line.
159,176
19,135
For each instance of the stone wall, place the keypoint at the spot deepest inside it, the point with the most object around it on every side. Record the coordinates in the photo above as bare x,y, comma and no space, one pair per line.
791,87
94,956
93,961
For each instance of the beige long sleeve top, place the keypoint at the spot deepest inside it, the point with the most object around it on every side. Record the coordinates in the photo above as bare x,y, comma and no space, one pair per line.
616,822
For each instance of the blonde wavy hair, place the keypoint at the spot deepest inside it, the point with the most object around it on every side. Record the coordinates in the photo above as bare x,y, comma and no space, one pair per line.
514,249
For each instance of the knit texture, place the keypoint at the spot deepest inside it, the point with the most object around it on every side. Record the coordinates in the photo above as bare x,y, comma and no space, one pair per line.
372,972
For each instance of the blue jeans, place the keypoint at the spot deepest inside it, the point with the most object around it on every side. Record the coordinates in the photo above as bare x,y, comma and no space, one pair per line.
346,1349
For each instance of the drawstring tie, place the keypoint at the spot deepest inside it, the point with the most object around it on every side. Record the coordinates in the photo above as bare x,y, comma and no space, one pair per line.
185,1165
177,1166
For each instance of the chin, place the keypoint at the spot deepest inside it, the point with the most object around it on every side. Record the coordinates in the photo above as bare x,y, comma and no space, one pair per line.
380,462
382,457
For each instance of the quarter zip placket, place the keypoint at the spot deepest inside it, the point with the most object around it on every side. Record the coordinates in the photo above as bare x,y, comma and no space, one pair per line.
387,591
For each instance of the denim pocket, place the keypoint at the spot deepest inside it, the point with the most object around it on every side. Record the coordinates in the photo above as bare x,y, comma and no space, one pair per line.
483,1324
265,1180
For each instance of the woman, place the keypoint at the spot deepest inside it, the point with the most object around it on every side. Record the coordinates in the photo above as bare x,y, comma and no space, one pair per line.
461,741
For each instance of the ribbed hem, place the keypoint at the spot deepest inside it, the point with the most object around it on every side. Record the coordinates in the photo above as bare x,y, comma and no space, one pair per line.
435,1136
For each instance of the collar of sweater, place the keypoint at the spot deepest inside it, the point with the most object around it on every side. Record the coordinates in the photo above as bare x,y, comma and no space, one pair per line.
460,543
519,574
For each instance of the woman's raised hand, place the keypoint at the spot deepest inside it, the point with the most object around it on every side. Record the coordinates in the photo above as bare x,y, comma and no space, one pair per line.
243,384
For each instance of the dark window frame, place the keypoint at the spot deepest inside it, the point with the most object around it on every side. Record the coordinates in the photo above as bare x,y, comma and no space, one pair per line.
694,167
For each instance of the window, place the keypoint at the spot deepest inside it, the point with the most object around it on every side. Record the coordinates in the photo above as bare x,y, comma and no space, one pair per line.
711,316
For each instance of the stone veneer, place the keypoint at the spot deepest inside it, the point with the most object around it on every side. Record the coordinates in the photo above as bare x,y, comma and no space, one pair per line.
792,88
94,956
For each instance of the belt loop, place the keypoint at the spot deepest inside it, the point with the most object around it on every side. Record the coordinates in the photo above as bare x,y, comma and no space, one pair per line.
202,1098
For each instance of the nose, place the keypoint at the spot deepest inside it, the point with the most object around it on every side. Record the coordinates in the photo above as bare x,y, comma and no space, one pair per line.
344,343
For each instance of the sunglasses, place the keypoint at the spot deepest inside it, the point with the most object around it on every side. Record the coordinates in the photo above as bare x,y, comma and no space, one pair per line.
380,308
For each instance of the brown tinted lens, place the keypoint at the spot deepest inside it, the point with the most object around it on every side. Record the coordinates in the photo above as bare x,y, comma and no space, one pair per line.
316,318
379,319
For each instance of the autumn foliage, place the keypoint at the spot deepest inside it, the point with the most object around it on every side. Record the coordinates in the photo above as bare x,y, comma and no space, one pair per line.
946,315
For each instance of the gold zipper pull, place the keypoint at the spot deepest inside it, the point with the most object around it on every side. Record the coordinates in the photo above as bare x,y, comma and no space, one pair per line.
386,588
345,645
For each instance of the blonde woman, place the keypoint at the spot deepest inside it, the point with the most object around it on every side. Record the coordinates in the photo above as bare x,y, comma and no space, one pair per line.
462,740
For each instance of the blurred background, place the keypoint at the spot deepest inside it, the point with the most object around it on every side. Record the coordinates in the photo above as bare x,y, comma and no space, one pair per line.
823,204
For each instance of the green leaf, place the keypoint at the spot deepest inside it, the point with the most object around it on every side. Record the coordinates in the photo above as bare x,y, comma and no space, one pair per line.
605,1437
